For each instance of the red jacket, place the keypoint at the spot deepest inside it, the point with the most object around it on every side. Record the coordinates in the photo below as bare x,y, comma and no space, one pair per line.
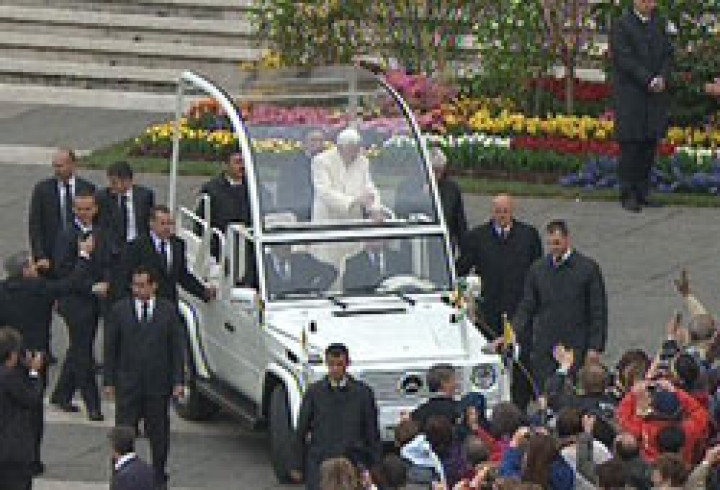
695,422
496,447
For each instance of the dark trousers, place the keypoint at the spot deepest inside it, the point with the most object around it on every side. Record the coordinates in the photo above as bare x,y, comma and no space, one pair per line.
131,407
77,370
636,161
15,476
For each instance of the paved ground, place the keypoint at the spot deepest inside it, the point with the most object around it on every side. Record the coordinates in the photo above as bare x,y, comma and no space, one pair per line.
639,255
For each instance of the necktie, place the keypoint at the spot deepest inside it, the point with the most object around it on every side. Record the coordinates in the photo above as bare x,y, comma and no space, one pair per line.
124,216
68,216
145,312
163,252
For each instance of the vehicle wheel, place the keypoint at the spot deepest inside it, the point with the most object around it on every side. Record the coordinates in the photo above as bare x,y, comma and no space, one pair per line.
281,434
193,405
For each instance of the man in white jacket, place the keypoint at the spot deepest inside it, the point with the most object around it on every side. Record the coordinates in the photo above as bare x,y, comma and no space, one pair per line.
341,177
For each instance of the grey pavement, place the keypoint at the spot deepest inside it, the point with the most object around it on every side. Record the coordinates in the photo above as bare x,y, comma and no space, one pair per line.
639,255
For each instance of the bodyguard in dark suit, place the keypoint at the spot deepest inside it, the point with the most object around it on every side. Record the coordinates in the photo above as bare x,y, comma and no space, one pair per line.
369,267
81,308
501,251
321,433
144,363
125,212
163,253
124,205
295,191
228,193
565,297
287,271
51,206
414,197
129,471
641,57
20,399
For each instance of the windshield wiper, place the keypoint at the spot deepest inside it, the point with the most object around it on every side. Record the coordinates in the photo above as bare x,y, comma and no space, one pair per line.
312,294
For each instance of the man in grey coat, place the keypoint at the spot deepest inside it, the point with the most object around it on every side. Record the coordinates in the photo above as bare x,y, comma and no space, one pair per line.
565,298
641,57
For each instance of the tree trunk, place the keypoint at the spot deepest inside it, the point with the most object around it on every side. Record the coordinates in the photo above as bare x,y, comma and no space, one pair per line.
570,85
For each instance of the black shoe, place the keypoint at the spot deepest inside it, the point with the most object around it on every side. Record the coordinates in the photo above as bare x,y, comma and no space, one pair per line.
631,204
37,468
649,203
66,407
96,416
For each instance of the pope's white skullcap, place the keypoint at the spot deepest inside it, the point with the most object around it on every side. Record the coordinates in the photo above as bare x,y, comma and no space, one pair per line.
349,136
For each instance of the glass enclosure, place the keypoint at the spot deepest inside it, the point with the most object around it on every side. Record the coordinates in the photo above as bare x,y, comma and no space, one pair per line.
332,147
355,267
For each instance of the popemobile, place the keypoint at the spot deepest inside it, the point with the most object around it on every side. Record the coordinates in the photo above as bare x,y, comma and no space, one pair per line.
346,243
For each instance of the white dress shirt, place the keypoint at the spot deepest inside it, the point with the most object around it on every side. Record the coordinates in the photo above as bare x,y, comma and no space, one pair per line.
131,230
61,193
158,246
139,308
124,459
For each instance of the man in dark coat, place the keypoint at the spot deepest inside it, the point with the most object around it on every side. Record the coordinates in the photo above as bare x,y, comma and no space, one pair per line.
81,307
642,57
163,253
20,399
51,206
321,434
414,197
501,251
368,268
228,193
26,303
287,271
565,297
294,185
129,471
144,354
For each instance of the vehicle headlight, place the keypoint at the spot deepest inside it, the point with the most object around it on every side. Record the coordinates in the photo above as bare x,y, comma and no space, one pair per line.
483,376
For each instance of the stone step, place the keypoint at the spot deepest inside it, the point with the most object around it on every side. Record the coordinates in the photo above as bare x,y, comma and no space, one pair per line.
136,27
87,75
229,9
124,52
79,97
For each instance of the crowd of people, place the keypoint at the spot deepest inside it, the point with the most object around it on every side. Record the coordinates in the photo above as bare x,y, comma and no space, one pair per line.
648,422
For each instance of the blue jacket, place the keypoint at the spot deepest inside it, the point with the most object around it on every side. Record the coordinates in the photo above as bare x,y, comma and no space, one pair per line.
136,474
562,476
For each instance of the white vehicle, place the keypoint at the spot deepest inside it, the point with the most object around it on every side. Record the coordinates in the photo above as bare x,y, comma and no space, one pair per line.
255,350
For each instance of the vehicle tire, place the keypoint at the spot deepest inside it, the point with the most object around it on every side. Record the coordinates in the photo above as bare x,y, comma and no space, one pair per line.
193,405
281,434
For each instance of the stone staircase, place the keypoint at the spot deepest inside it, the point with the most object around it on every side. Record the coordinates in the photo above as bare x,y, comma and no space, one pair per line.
120,54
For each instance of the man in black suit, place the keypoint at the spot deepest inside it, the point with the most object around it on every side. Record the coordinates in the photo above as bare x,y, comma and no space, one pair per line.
228,193
51,206
163,253
124,205
501,251
144,352
376,262
80,308
287,271
124,211
642,57
294,185
20,399
129,471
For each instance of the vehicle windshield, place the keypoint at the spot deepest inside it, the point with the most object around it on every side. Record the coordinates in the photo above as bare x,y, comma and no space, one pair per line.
345,268
332,147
